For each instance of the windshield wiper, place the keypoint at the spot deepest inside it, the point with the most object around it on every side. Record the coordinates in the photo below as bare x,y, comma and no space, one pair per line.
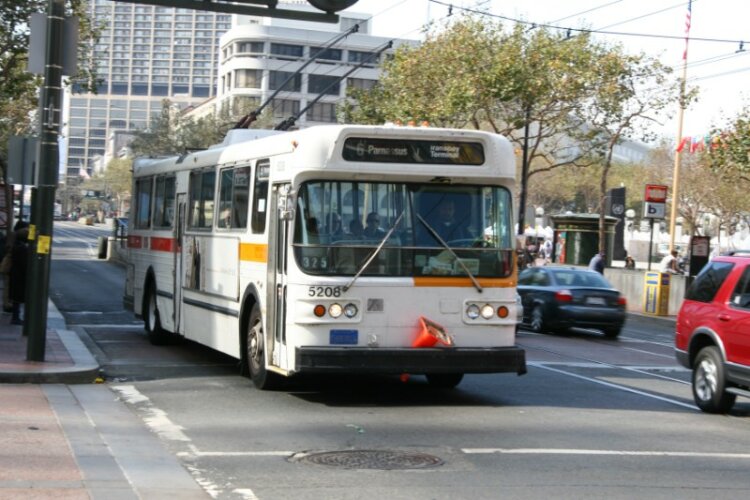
440,240
374,253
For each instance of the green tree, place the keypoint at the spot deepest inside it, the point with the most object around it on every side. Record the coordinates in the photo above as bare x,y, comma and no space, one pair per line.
18,87
632,91
172,132
119,180
476,73
731,151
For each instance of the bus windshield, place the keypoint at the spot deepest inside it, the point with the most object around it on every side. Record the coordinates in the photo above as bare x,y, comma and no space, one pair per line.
339,224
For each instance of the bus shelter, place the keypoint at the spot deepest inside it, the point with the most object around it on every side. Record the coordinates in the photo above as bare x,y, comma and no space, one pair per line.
576,238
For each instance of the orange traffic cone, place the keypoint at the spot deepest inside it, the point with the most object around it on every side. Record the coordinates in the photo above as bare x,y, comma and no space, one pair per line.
430,333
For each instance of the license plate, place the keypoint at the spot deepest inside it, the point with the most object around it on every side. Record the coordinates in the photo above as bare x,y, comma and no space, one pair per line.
595,301
343,337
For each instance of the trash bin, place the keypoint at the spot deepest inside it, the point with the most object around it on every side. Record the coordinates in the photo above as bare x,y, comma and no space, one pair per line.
656,293
102,253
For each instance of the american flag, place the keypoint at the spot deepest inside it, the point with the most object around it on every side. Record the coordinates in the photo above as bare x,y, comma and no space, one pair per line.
687,28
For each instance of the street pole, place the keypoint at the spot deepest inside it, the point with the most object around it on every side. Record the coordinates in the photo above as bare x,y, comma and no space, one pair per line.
676,169
524,174
40,232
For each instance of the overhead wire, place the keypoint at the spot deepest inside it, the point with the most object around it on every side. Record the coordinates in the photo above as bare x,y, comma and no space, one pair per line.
588,30
585,11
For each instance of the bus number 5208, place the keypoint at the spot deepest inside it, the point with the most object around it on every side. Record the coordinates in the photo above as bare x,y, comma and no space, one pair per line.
324,291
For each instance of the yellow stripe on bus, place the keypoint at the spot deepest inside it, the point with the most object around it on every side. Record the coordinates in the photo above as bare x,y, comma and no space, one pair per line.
254,252
449,281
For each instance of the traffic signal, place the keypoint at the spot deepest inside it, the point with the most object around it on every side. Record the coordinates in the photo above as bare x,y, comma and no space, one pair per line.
331,6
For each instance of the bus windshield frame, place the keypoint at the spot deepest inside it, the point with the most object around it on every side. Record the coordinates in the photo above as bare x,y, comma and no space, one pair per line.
340,224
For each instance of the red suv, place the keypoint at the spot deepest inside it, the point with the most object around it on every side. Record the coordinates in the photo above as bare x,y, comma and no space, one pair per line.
713,332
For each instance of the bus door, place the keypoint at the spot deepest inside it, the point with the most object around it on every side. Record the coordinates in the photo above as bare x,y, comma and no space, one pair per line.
179,255
278,238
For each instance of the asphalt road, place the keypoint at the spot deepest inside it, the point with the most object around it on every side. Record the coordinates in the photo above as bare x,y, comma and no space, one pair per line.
592,418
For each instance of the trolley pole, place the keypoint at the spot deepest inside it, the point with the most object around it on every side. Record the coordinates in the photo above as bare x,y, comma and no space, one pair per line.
40,231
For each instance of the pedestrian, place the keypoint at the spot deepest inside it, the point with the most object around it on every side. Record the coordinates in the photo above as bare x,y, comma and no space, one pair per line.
547,251
7,248
17,274
597,263
629,262
669,263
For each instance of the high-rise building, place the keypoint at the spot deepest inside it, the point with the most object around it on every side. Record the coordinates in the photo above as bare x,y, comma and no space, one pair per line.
201,60
145,54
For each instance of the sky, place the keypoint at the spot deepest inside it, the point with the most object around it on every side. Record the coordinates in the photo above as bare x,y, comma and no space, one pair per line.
718,68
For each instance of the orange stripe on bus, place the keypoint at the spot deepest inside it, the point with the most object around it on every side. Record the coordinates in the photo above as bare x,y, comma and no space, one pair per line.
450,281
254,252
163,244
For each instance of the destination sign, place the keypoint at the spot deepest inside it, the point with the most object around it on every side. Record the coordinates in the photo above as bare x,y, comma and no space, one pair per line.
370,149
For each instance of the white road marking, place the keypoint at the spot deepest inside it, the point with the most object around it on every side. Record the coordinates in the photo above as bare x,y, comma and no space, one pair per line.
650,353
158,422
155,418
564,451
616,386
195,452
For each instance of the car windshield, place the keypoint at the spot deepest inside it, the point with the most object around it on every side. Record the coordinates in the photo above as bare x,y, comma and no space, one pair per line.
339,224
574,277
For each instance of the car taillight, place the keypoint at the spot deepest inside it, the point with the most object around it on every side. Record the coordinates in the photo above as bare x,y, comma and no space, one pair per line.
564,296
622,301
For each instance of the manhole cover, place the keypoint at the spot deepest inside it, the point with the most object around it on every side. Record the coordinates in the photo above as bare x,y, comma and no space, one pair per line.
371,459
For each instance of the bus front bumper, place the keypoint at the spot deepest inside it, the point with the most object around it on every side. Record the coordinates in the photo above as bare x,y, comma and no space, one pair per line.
410,360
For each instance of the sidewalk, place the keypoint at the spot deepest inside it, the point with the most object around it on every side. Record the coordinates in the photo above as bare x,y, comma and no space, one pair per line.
63,435
66,360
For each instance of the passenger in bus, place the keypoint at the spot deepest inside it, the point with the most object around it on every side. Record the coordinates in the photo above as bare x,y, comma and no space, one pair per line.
356,230
373,230
446,225
226,218
335,229
313,233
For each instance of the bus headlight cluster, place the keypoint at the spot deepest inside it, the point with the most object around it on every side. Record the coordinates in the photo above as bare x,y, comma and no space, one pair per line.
336,310
486,311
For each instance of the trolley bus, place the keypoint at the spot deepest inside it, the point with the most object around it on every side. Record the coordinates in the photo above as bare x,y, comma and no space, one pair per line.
321,251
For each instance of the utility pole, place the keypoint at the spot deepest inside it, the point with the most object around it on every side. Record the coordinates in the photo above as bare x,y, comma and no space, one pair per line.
40,231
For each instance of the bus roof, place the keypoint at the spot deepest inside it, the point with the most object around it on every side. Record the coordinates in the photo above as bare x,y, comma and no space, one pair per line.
380,150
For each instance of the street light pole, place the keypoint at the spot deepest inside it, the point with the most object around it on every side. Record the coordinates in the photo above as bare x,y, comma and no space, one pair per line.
40,231
524,174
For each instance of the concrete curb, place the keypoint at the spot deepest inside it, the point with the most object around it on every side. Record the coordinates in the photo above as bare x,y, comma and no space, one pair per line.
84,370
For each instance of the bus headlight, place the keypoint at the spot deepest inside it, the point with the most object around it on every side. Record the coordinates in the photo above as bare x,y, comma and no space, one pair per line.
472,311
350,310
487,311
335,310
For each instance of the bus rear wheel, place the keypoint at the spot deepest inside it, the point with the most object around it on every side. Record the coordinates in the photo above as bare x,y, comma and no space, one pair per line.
444,380
255,355
156,334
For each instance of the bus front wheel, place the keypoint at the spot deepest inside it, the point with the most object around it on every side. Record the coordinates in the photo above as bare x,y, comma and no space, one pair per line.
255,355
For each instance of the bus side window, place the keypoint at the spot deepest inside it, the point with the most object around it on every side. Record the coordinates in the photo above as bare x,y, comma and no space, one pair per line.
260,196
201,201
143,200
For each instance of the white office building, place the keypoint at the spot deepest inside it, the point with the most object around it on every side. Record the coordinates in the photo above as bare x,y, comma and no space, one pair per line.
258,55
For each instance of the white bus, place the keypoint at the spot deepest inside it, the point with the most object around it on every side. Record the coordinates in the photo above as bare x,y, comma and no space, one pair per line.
321,251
